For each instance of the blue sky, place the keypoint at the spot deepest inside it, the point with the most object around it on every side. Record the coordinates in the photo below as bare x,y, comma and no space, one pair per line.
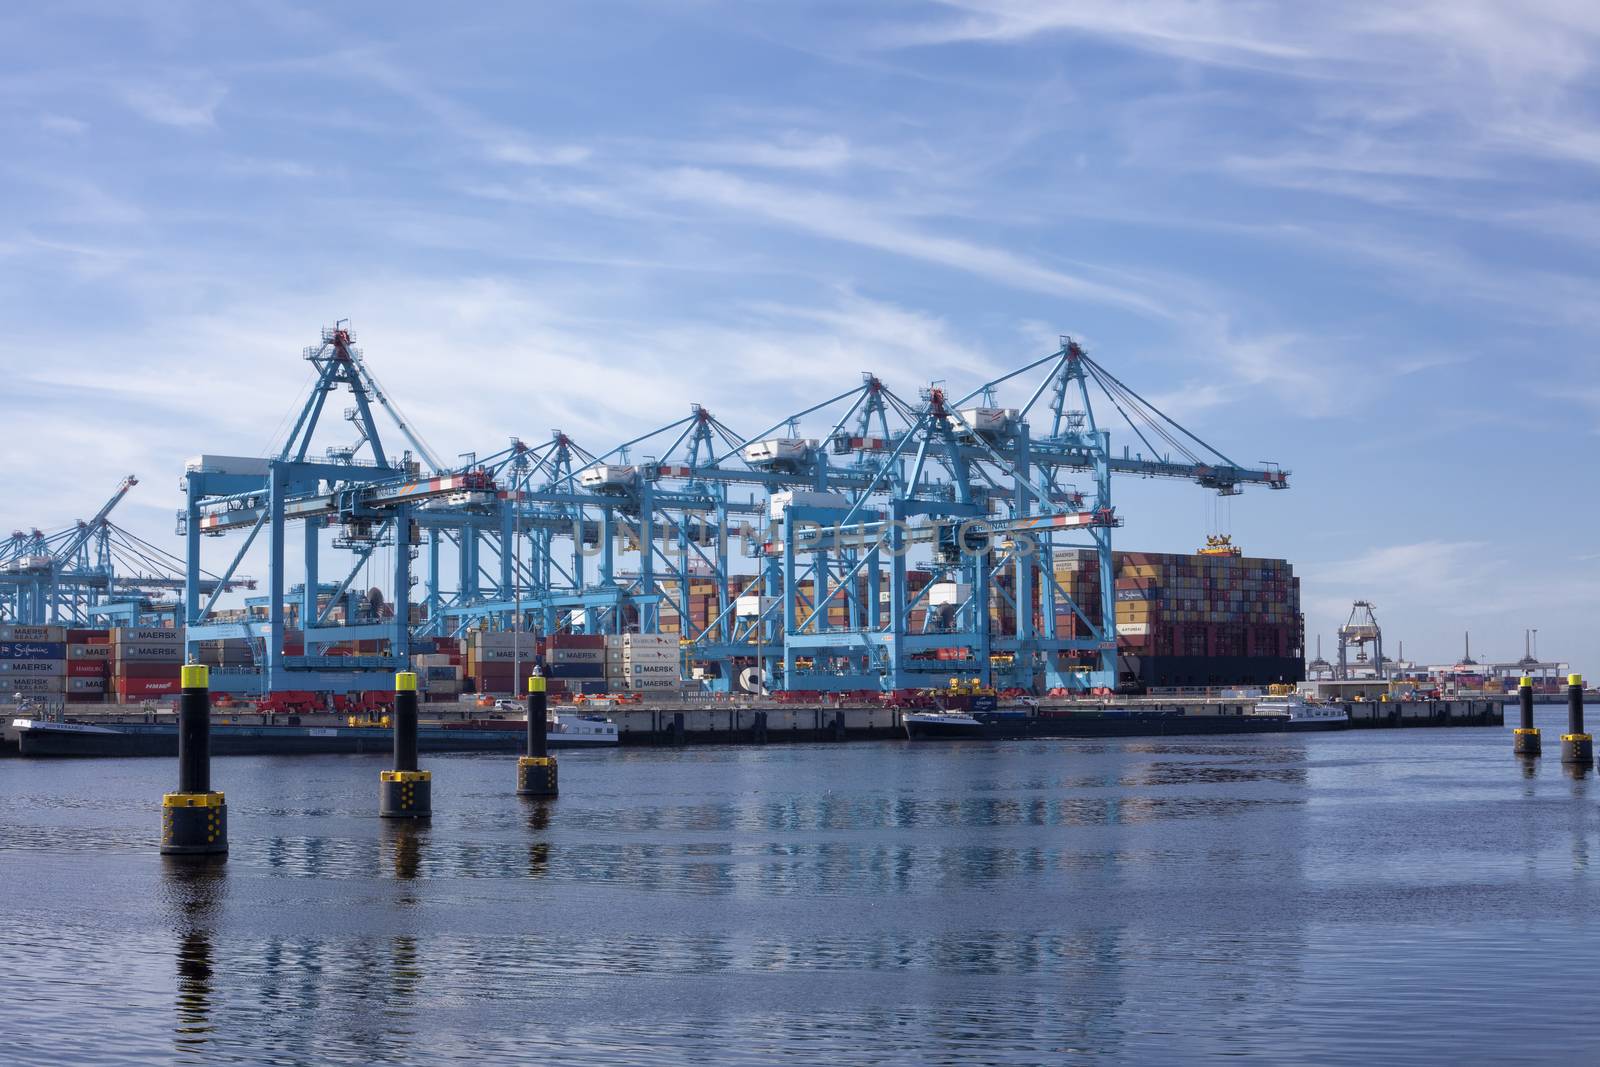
1356,239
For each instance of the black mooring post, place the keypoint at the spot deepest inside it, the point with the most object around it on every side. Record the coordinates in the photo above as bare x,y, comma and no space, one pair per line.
537,772
194,820
1525,738
538,716
194,732
1576,746
405,727
405,792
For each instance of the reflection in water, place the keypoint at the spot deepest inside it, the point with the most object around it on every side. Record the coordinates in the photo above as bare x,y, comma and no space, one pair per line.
1013,904
538,849
195,887
404,839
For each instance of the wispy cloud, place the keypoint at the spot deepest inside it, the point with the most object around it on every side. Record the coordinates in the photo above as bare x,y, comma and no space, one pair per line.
63,124
874,226
788,151
184,103
497,141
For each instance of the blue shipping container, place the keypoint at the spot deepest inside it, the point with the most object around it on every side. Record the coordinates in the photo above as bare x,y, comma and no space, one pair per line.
1139,594
33,650
441,674
576,670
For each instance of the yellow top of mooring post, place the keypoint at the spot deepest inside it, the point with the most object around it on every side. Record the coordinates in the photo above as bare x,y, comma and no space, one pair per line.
194,676
536,683
1526,683
1574,679
405,682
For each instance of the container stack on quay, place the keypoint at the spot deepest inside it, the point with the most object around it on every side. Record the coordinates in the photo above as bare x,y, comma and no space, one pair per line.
491,660
231,652
88,666
575,663
33,662
145,662
642,663
439,675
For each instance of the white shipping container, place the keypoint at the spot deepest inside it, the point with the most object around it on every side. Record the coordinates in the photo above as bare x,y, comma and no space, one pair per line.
648,640
656,685
144,635
650,655
27,684
1132,629
528,653
575,655
88,651
33,668
86,685
500,639
431,659
652,670
158,652
16,632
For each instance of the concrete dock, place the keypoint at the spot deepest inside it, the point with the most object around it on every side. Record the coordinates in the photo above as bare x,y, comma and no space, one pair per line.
662,723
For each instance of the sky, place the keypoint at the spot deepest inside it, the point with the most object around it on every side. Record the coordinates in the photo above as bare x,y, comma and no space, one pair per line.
1358,240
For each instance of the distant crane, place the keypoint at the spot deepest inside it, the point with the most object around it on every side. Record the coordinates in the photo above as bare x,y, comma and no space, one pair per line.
93,571
1359,631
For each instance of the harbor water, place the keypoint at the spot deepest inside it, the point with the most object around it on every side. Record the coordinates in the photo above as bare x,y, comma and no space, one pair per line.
1359,897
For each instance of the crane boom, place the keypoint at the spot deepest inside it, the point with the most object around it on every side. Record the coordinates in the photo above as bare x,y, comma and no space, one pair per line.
86,530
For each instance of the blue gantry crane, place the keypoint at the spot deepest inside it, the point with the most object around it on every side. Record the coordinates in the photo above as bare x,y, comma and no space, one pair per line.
810,542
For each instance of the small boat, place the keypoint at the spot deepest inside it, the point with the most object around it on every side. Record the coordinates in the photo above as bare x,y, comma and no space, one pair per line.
942,724
1298,713
574,731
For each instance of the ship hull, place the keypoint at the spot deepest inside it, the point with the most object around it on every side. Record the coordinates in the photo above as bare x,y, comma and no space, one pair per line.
161,739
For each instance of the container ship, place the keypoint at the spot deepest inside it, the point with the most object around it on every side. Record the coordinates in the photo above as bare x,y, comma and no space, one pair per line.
1207,619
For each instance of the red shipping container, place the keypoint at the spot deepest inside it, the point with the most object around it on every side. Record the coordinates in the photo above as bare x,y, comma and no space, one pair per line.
577,641
140,688
147,669
88,637
86,668
85,698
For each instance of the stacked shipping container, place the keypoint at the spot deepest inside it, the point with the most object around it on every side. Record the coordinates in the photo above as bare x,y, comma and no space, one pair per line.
33,662
145,662
88,666
492,660
638,663
576,663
